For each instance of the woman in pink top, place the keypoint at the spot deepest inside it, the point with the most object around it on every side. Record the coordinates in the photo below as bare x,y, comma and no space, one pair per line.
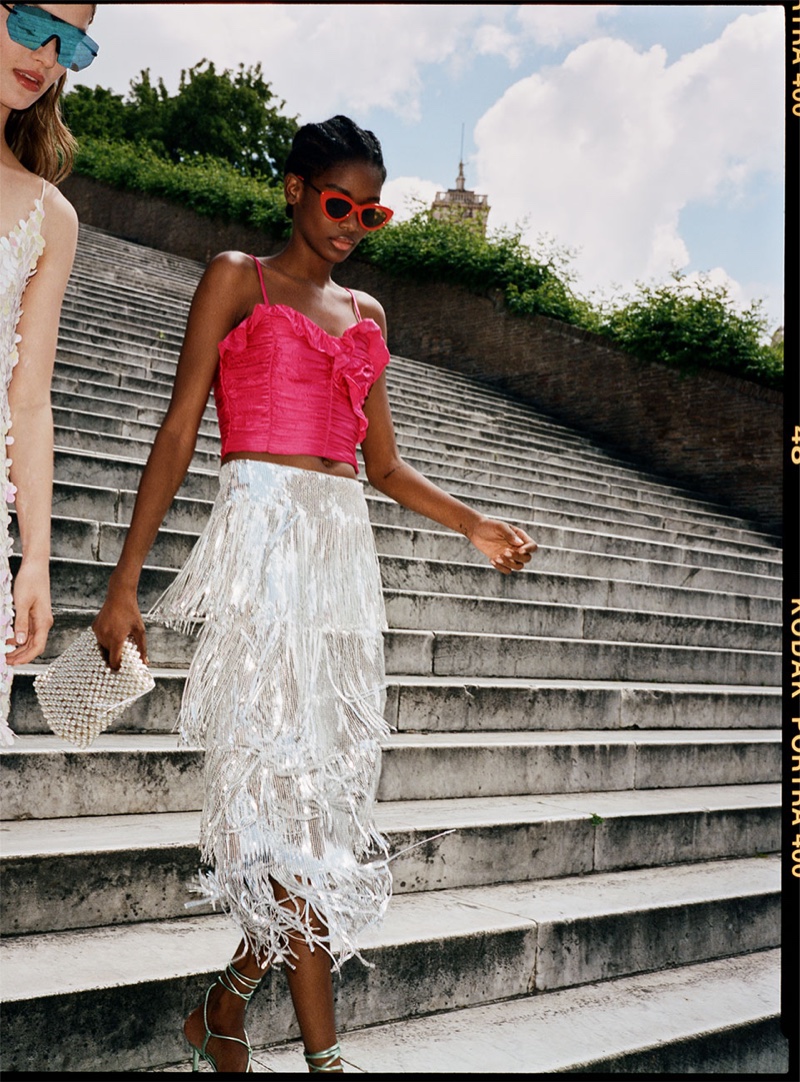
286,688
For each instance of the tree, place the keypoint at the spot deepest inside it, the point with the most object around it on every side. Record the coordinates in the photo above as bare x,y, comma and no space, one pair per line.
232,116
96,112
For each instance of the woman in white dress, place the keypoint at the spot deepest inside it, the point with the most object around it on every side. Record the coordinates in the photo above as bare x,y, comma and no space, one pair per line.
38,235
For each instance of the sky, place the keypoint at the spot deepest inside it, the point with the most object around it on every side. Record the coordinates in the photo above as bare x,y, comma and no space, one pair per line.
628,141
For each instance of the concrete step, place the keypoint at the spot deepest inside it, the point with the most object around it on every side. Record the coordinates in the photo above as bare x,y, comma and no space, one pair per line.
415,767
132,406
86,553
79,589
122,420
457,623
118,462
578,519
77,373
102,425
428,450
108,350
565,477
452,704
422,609
601,735
720,1018
87,540
94,870
739,593
436,950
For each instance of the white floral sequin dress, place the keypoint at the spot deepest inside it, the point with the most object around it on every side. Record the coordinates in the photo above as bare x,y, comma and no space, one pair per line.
20,249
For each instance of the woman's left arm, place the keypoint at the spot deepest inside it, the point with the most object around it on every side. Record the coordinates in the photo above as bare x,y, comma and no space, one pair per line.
507,547
31,453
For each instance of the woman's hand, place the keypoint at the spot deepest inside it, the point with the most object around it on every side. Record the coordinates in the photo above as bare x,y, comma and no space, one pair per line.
508,547
118,620
33,616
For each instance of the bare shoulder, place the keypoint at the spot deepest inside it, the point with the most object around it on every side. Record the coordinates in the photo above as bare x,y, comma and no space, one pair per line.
60,217
229,270
371,309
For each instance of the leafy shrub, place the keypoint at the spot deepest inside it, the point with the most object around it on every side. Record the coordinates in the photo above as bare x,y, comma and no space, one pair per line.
690,327
695,326
431,250
207,185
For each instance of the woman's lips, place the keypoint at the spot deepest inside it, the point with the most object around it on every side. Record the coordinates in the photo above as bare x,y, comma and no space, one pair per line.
343,244
30,80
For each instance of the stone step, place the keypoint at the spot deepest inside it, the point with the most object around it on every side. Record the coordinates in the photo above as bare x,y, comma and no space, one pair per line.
667,541
635,490
148,410
561,550
101,425
409,411
567,484
83,583
156,774
436,950
76,373
555,479
133,406
98,245
87,540
453,704
718,1018
118,461
78,412
570,554
422,609
442,653
108,350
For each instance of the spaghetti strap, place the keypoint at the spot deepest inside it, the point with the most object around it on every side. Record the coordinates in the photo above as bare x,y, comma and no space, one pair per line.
261,279
355,304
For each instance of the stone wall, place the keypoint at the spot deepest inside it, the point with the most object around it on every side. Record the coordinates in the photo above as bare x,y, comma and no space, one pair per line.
718,434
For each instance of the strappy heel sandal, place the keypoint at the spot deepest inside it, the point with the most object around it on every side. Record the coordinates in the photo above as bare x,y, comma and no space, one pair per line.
324,1061
226,980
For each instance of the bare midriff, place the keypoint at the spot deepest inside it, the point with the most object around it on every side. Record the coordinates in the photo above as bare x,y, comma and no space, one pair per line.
300,462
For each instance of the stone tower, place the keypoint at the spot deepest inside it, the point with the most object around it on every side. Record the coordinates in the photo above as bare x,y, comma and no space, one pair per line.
461,204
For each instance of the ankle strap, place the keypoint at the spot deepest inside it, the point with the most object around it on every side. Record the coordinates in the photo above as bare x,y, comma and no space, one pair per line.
232,974
324,1061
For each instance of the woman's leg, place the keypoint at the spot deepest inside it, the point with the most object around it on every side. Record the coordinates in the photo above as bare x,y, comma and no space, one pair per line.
311,988
223,1012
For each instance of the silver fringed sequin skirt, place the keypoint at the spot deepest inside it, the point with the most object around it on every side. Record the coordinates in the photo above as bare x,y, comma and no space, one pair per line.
286,693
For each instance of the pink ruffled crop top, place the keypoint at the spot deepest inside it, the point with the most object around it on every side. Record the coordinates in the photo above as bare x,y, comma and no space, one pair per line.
284,386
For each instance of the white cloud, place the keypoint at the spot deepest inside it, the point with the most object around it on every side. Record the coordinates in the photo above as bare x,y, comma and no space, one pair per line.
320,58
407,195
605,150
557,24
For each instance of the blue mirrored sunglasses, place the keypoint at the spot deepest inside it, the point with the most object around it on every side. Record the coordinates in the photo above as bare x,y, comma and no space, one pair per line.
33,28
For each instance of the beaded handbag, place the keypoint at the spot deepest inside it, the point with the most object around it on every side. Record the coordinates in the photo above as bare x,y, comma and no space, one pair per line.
80,696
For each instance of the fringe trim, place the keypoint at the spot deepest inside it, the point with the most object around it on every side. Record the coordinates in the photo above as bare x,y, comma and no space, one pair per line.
286,693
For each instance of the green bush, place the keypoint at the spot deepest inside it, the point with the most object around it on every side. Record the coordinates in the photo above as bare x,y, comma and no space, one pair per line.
693,327
430,250
688,327
207,185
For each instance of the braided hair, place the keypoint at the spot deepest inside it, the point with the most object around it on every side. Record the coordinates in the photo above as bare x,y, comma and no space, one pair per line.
318,147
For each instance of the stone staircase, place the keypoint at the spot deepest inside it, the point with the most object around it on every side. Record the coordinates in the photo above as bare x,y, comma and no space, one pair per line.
601,730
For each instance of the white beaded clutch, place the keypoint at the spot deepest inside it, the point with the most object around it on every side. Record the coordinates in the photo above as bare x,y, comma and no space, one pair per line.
80,696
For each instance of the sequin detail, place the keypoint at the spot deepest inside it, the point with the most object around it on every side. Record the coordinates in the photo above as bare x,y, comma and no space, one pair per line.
286,693
20,249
